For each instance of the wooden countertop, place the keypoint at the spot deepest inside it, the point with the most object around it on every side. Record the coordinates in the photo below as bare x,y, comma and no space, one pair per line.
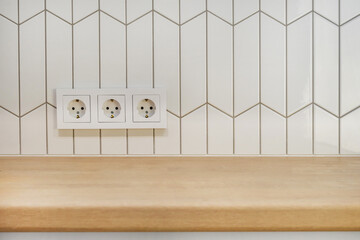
179,194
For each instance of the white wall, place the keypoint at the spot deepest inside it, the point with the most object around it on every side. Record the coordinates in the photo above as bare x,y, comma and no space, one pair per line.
243,76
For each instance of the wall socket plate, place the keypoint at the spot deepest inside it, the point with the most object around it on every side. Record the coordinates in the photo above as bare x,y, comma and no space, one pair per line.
117,108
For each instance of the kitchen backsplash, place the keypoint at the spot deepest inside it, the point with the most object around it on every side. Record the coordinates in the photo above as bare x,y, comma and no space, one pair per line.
243,77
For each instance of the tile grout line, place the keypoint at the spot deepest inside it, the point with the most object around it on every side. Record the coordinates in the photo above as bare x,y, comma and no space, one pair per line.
352,110
259,113
82,19
322,16
233,76
1,107
269,16
167,18
126,72
192,18
30,111
313,80
19,78
57,16
220,18
339,81
342,24
26,20
334,115
153,59
46,82
138,18
298,18
180,92
246,18
99,52
1,15
246,110
207,78
286,79
72,60
107,14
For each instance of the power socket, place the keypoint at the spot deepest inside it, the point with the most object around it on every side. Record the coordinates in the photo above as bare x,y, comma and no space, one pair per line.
130,108
146,108
111,108
76,109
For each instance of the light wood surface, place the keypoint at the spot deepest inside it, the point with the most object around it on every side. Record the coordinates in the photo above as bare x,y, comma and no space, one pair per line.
179,194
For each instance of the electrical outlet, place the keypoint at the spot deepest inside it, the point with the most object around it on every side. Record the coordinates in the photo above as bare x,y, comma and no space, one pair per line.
130,108
76,109
145,108
111,108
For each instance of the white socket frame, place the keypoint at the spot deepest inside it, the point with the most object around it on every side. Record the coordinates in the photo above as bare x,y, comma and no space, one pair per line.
94,108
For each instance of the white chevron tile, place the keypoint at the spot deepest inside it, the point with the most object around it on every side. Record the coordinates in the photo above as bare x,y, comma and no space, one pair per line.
28,8
9,133
113,52
275,8
86,53
169,8
222,8
137,8
34,124
247,132
326,64
116,8
82,8
328,9
59,56
326,132
9,79
300,132
60,141
191,8
167,141
9,8
139,52
61,8
193,64
299,51
220,64
273,64
349,9
87,142
220,132
113,141
140,141
32,63
246,64
350,71
166,60
244,8
193,132
273,132
350,133
297,8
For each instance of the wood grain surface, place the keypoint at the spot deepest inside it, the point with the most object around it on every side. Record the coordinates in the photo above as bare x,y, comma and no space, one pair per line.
179,194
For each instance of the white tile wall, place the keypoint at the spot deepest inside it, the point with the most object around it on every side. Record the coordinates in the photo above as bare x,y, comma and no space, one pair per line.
244,77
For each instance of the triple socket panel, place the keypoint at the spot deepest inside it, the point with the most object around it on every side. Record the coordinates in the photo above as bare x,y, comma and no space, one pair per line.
111,108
